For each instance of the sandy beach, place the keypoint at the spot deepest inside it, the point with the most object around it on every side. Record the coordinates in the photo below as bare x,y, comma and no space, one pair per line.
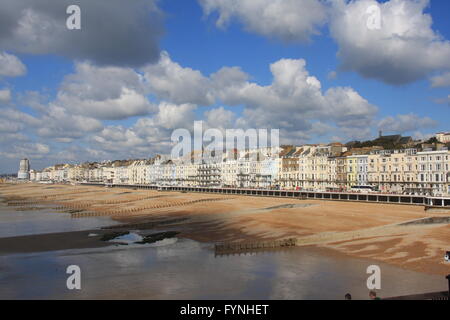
378,232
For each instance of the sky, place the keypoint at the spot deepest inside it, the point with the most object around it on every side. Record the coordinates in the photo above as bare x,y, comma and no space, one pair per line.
318,70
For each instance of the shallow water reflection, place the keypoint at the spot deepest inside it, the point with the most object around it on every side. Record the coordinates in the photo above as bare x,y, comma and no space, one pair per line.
19,223
188,270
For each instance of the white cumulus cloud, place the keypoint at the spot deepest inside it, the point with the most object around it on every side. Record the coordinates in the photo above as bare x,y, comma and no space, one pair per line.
403,49
107,93
406,122
5,95
11,66
170,81
289,20
442,80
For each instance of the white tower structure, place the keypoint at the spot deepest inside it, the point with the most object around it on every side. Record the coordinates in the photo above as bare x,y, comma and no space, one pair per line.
24,170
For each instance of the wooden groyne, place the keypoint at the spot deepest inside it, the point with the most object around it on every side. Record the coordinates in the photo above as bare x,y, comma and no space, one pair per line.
89,203
75,192
399,199
254,246
133,211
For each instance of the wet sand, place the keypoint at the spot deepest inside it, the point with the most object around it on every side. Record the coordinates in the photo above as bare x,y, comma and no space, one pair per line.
51,242
371,231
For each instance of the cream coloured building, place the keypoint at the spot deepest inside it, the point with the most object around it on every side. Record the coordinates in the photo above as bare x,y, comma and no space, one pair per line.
137,172
443,137
433,174
361,169
96,174
308,167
